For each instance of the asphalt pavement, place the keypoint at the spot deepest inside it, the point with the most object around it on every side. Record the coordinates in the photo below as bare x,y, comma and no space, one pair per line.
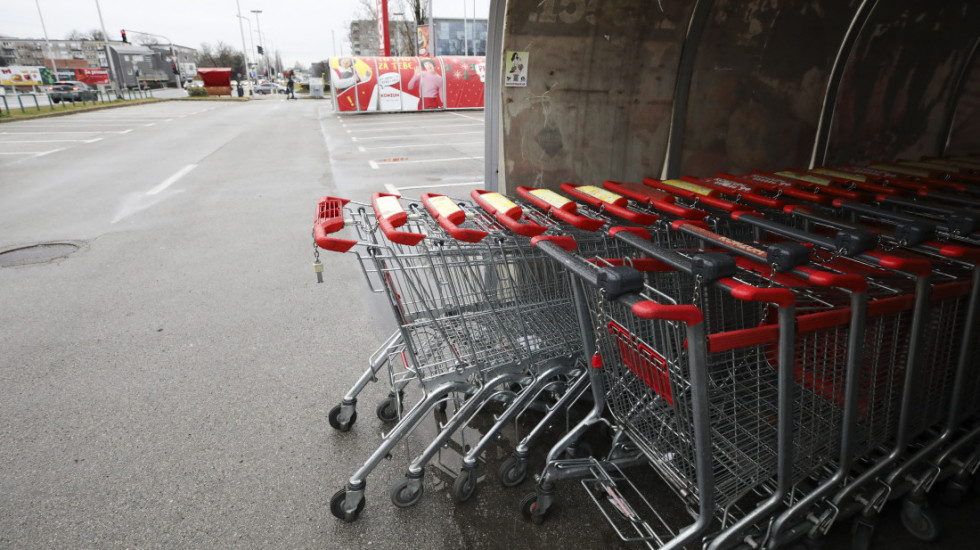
165,380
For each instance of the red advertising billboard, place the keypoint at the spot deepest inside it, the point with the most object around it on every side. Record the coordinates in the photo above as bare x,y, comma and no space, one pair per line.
394,74
465,78
92,77
365,84
352,80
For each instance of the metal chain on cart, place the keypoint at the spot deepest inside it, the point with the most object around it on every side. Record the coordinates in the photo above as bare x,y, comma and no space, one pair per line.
317,266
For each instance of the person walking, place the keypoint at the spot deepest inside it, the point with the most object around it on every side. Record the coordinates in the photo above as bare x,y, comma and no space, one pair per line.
290,87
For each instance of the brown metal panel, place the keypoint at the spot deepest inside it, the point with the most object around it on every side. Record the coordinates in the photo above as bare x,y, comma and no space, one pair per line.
759,83
600,89
965,136
897,88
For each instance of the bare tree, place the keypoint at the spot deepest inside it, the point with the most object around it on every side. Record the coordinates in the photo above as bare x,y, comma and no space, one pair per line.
401,30
221,55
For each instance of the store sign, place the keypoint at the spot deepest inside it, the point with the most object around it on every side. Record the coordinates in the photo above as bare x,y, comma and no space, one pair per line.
20,76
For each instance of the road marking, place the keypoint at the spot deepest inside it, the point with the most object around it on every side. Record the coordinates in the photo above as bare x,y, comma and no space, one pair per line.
67,132
391,188
375,164
126,131
23,152
395,122
364,149
51,151
51,141
426,127
93,140
171,180
150,124
412,136
467,116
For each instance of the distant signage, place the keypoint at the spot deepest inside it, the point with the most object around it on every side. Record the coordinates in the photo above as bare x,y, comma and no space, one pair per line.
364,84
515,69
422,41
92,77
20,76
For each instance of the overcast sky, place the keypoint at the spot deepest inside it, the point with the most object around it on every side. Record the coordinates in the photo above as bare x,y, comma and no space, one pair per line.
302,30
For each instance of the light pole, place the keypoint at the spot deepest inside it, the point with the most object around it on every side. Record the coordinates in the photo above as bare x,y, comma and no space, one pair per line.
54,68
238,4
112,64
251,41
258,24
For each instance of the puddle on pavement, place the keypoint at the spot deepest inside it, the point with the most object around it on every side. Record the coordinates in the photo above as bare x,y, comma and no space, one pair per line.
37,254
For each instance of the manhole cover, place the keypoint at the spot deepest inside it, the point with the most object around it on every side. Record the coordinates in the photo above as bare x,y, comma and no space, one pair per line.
36,254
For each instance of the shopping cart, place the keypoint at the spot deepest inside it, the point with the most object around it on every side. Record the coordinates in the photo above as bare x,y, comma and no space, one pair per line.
474,313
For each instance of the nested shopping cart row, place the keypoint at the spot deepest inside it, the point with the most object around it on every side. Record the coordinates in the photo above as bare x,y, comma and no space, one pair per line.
768,360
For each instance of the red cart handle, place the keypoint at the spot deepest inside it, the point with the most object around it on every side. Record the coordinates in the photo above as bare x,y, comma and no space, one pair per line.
609,201
390,215
562,208
652,310
450,215
696,192
506,212
825,185
661,200
330,219
738,189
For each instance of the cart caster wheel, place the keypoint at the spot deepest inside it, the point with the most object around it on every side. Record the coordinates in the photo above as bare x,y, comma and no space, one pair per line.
530,511
465,485
862,533
403,495
335,422
387,410
337,507
919,521
954,491
580,449
512,472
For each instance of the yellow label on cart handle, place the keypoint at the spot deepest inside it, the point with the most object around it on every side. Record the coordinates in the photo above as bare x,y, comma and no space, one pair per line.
499,202
901,170
688,186
388,207
550,197
601,194
445,206
804,177
839,174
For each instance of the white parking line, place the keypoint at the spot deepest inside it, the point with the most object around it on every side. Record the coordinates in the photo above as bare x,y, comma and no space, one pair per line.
67,132
364,149
412,136
391,188
393,122
376,164
51,141
426,127
171,180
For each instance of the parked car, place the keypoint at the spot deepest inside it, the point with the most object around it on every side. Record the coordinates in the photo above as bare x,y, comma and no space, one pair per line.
270,87
71,90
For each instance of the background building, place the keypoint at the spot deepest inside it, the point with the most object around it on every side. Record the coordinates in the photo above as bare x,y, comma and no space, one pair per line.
450,37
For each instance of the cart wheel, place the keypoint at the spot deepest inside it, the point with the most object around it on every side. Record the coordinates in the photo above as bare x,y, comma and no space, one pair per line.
402,494
919,521
337,507
862,533
512,472
387,410
335,422
529,509
465,485
579,449
955,490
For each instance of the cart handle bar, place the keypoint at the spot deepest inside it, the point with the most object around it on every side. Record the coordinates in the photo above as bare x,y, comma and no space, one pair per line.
450,215
390,216
330,219
562,208
611,202
506,212
656,198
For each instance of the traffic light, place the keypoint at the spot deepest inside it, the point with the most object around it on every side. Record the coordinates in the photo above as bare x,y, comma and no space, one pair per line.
260,50
173,67
123,33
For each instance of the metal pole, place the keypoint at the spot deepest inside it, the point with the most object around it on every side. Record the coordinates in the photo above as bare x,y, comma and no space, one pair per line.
241,30
466,40
54,68
113,74
432,34
265,50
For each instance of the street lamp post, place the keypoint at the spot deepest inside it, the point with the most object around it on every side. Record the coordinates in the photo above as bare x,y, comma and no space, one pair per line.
54,67
244,49
258,25
112,64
